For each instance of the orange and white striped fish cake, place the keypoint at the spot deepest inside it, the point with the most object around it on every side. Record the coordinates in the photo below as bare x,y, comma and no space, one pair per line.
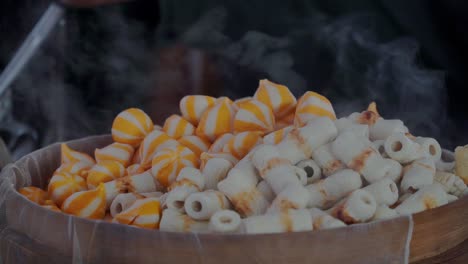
144,213
176,127
195,143
285,121
105,171
276,137
49,204
216,120
168,162
254,116
242,143
312,105
131,126
152,143
88,204
122,153
239,102
205,156
193,106
34,194
69,155
76,168
219,143
134,169
64,184
278,97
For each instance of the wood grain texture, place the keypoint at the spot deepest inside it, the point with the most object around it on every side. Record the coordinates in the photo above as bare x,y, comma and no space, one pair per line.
438,230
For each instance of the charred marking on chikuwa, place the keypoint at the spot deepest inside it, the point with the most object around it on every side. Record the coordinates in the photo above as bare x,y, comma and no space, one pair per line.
182,182
221,199
284,205
318,222
429,202
122,184
242,202
187,222
286,221
273,163
341,213
367,118
139,196
300,141
332,167
359,162
410,136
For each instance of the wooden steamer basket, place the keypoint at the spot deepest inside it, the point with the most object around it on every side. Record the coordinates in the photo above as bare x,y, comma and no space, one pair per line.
32,234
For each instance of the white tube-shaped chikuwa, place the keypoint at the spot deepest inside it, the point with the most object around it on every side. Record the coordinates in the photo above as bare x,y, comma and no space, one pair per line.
174,221
418,174
430,148
357,207
288,221
266,190
139,183
189,180
312,169
192,175
122,202
240,187
452,183
225,221
175,199
322,220
325,193
358,154
379,145
214,171
277,171
446,161
202,205
383,128
385,191
300,142
292,197
428,197
402,149
395,172
325,159
384,212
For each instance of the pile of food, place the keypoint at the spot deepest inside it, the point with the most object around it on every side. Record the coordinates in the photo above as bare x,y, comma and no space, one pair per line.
262,164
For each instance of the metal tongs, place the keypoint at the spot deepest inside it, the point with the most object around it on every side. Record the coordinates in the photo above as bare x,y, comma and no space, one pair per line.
40,32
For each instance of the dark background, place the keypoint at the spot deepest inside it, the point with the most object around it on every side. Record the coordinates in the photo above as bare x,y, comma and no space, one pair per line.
409,56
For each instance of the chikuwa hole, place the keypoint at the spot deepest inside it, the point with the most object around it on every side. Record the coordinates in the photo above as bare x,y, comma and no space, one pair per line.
397,146
366,200
119,208
225,220
382,149
310,171
196,206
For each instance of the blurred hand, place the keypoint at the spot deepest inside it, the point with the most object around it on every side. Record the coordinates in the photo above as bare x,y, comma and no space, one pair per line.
90,3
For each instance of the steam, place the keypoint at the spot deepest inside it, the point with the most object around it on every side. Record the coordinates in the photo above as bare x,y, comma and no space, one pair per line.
342,59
